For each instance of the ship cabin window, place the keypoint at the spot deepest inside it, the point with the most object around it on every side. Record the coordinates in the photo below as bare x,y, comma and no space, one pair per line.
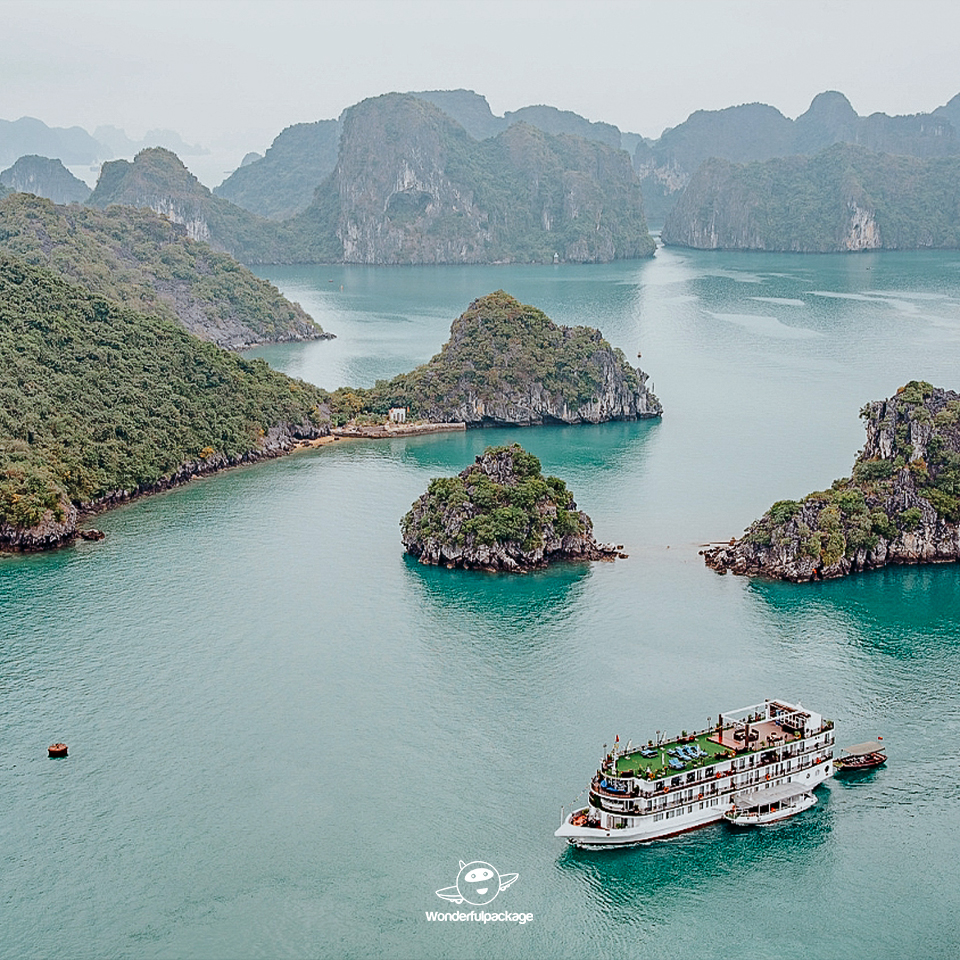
691,777
675,782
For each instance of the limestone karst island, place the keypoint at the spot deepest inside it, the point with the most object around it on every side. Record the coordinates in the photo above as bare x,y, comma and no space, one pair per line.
901,504
507,363
501,513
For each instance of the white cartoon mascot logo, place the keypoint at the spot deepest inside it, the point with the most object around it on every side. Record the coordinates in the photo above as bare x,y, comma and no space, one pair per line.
477,883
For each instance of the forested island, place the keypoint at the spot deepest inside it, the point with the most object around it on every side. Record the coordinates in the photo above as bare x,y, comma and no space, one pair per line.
846,198
500,513
100,403
147,262
507,363
157,178
900,505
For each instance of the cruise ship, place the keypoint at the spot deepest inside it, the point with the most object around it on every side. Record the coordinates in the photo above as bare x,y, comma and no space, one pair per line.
668,787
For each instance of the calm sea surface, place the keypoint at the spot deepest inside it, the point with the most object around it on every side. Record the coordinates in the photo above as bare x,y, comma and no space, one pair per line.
284,736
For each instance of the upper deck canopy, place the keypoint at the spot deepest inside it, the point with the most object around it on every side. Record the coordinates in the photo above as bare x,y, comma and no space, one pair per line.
862,749
775,794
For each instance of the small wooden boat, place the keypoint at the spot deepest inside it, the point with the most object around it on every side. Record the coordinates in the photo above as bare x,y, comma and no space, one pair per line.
864,756
756,808
57,750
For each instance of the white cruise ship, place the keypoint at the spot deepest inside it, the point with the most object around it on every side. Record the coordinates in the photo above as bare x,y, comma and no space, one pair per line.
661,789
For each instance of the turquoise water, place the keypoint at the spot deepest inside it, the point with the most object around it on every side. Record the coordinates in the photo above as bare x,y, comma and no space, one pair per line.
284,735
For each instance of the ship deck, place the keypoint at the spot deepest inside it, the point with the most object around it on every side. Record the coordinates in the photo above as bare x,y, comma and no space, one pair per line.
717,746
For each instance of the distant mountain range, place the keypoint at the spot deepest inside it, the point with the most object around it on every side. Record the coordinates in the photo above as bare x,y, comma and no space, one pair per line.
436,177
281,184
409,185
73,145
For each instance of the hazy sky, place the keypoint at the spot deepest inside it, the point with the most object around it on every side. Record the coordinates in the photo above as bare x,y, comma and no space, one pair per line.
237,71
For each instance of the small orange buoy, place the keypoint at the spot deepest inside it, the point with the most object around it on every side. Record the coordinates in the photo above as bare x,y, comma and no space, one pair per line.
57,750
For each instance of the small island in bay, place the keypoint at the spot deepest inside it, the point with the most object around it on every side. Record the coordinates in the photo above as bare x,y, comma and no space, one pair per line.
901,504
500,513
507,363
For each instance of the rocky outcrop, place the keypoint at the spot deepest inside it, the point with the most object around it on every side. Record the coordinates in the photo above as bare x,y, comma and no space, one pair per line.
500,513
508,363
158,179
901,504
45,178
844,199
55,532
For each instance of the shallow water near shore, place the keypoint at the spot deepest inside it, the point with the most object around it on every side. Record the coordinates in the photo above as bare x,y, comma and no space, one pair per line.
284,735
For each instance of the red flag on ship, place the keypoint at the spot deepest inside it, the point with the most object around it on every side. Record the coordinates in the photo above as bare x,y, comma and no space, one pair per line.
618,739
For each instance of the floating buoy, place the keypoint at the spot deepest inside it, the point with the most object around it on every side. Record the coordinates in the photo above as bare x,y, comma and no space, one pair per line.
57,750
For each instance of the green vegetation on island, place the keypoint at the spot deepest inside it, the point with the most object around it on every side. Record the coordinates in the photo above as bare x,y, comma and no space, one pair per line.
845,198
281,184
146,262
156,178
509,363
500,513
96,398
900,505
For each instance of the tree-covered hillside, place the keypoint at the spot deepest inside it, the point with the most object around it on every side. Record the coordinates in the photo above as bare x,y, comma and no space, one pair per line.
509,363
96,398
845,198
148,263
158,179
281,184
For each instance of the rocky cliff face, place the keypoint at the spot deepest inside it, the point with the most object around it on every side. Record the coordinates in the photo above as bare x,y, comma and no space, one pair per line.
901,505
412,186
508,363
844,199
45,178
501,513
157,179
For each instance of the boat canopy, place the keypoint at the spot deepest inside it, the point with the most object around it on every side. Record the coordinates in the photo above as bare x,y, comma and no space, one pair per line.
862,749
774,794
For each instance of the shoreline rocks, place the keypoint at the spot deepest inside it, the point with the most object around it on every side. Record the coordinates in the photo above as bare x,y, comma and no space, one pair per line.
51,533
